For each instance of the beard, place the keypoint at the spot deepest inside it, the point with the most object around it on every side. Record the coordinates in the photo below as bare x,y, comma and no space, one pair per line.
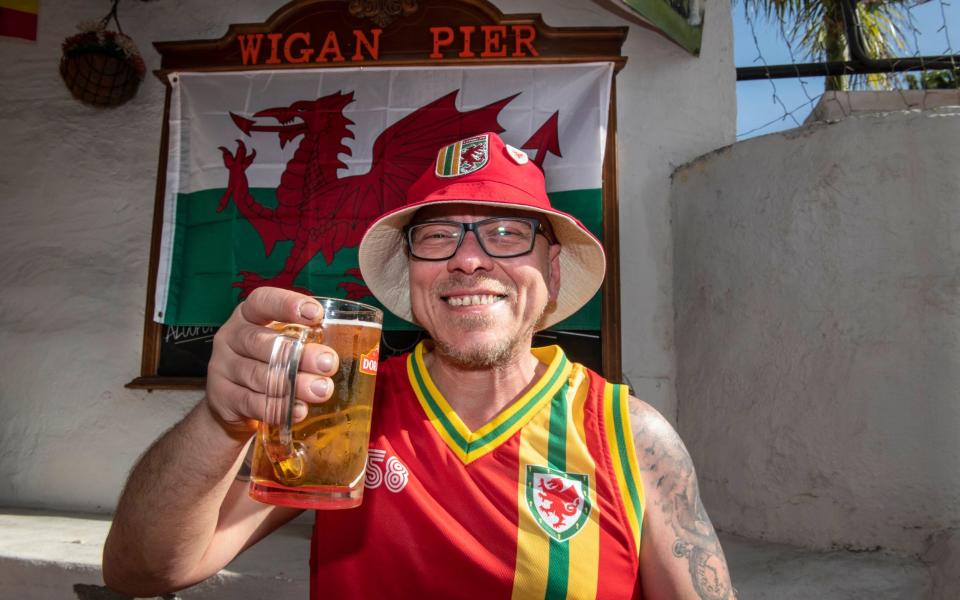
495,354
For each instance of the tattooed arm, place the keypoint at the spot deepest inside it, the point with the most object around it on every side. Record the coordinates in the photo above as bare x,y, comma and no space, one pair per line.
680,556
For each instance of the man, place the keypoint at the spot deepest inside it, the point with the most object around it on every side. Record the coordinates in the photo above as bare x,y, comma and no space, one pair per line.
515,473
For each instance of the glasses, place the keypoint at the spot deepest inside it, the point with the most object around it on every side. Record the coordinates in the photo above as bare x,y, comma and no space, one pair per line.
500,237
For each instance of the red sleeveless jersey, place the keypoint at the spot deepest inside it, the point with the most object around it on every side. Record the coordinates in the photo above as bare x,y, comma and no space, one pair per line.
545,501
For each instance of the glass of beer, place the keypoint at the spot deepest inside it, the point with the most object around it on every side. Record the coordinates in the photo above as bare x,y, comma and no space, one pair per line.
319,463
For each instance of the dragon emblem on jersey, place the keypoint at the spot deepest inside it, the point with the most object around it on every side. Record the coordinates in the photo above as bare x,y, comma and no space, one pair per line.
321,212
558,501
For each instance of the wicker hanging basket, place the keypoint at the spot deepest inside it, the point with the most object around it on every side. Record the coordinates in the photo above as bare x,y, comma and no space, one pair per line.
100,79
100,66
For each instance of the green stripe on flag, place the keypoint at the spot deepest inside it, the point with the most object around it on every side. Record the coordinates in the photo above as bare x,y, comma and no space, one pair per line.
211,248
559,564
587,206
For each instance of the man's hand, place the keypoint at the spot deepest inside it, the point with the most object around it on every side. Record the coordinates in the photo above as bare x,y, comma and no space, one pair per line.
182,515
237,373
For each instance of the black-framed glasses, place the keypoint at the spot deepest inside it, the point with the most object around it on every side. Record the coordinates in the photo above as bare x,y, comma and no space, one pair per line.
499,237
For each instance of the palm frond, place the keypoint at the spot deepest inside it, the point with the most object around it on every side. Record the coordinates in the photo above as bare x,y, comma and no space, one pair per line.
817,27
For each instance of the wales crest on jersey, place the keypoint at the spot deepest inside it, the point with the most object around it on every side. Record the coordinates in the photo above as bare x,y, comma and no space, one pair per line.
463,157
559,501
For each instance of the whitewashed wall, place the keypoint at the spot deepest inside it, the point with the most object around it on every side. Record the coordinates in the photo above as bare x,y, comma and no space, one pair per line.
818,330
77,192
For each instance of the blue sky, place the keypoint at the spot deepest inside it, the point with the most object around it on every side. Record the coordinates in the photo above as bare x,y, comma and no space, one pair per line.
762,104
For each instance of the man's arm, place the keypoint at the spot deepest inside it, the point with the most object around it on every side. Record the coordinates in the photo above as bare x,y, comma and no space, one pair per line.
181,518
182,515
680,555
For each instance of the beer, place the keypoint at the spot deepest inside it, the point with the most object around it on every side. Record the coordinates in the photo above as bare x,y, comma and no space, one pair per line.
325,464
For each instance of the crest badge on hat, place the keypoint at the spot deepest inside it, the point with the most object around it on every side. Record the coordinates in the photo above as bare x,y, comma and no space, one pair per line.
463,157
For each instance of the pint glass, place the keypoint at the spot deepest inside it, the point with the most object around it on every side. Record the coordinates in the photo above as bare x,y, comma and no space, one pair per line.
319,463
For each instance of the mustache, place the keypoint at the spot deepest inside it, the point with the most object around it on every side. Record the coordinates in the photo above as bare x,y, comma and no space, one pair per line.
458,282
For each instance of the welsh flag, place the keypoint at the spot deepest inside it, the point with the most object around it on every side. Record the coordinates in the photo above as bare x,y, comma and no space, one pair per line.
273,176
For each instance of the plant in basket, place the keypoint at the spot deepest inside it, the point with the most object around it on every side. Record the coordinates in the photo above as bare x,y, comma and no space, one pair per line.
102,67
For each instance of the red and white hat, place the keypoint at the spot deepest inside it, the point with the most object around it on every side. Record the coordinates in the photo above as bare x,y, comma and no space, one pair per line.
481,170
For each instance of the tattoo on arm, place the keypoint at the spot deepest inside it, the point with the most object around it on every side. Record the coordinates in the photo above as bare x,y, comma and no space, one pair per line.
661,453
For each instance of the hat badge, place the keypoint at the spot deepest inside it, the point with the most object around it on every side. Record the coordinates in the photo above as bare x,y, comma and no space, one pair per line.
519,156
463,157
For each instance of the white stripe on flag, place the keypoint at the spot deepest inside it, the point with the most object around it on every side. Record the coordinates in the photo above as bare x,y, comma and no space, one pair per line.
382,96
172,187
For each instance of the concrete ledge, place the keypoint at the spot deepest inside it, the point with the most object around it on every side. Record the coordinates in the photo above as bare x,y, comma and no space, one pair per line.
46,555
836,105
777,572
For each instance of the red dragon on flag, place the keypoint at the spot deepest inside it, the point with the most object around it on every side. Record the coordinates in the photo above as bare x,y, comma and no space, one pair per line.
322,213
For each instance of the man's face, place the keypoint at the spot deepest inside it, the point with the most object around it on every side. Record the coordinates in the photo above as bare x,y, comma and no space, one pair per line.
482,311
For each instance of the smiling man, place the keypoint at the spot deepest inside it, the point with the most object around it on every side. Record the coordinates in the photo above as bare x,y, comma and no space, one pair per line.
481,316
507,471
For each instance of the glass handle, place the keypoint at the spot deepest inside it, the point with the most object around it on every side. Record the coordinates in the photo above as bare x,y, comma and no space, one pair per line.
281,392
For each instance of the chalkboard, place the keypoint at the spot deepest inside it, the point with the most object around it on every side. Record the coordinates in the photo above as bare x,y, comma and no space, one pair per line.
185,351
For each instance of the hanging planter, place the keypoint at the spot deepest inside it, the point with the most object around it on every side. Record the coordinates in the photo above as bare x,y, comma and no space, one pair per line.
99,66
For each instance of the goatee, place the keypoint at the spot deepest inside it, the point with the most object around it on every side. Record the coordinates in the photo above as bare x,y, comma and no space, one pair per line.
500,353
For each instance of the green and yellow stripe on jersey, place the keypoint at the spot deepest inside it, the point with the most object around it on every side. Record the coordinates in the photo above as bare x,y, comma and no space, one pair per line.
616,416
548,568
470,445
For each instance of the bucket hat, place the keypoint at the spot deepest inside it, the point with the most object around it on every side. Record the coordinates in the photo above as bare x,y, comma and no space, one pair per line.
481,170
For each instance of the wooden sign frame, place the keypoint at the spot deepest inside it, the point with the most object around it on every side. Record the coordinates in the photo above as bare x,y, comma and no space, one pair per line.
328,34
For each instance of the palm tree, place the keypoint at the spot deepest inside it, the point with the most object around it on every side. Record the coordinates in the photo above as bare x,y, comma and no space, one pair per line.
819,28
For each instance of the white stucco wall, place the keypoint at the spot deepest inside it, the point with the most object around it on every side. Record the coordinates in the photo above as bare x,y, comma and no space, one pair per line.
817,277
77,190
